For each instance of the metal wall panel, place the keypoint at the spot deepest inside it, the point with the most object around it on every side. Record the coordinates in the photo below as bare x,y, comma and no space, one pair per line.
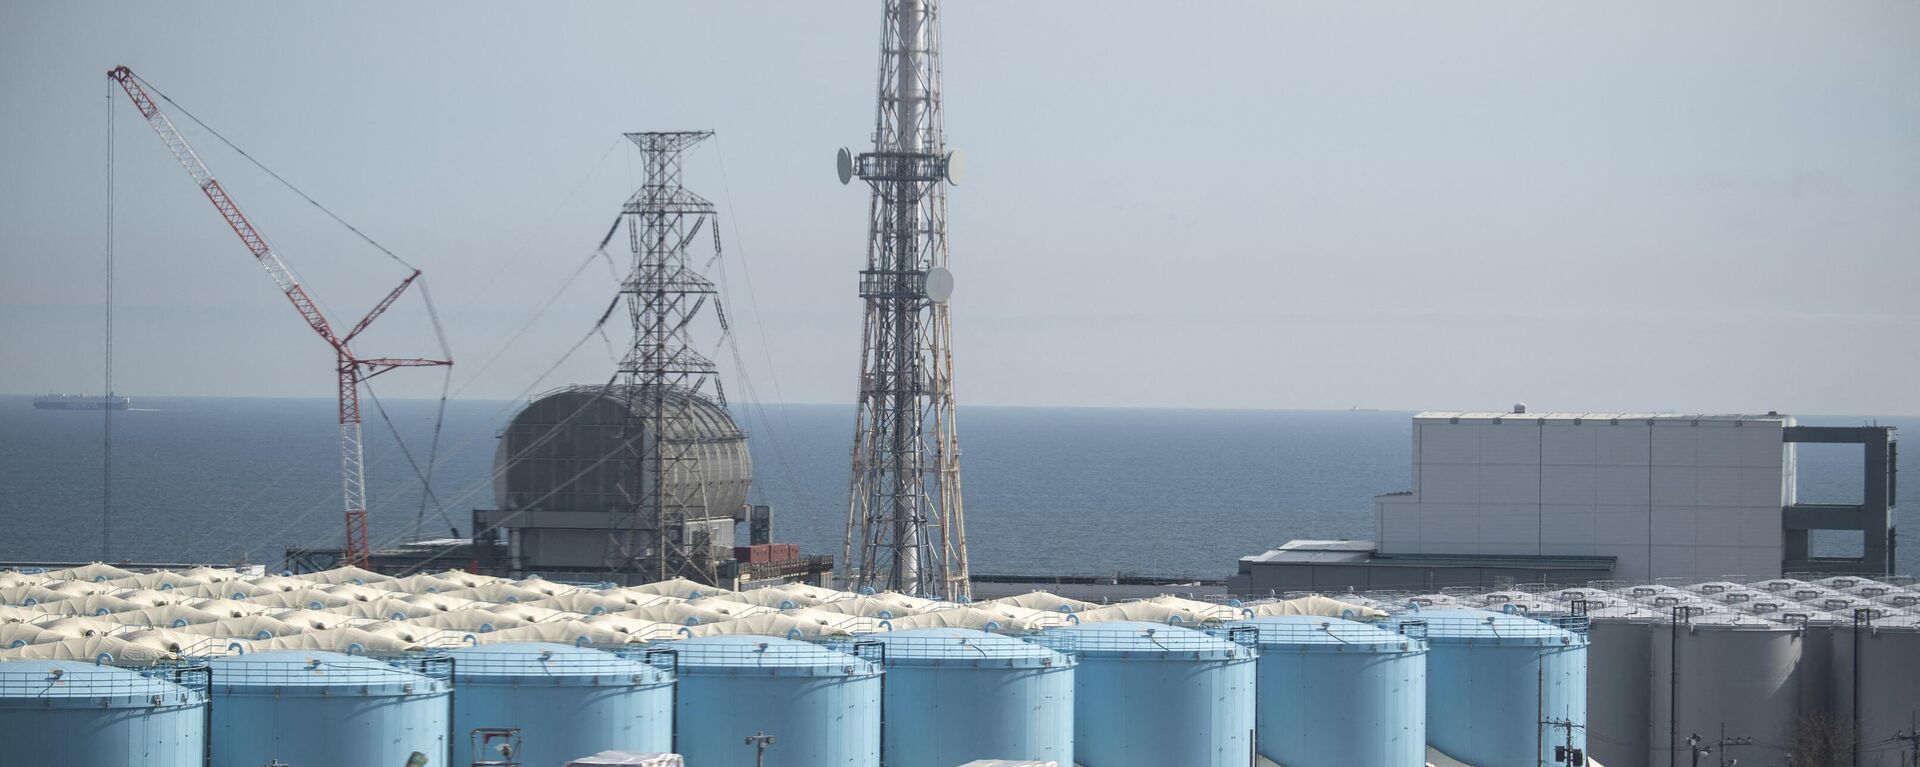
1564,444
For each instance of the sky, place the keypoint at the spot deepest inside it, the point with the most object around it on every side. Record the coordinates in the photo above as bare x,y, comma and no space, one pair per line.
1637,205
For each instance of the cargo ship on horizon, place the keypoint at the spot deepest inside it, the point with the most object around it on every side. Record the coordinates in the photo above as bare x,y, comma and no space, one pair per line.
81,402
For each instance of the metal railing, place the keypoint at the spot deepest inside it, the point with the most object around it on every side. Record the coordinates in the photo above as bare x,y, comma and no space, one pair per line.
482,661
1325,631
1507,627
764,654
1096,637
312,671
21,680
963,648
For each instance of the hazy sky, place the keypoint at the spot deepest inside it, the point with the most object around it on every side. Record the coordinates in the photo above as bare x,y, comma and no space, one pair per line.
1599,205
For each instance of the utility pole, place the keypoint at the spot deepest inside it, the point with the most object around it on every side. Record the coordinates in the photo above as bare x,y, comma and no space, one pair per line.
760,740
1910,740
1726,746
1693,745
1567,754
1862,623
1680,615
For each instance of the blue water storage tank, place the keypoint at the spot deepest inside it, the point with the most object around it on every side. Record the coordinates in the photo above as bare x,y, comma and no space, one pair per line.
311,707
1492,679
822,707
1335,693
69,712
1151,695
957,695
566,701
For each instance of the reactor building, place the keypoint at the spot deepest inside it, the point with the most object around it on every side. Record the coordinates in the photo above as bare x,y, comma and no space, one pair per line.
1576,497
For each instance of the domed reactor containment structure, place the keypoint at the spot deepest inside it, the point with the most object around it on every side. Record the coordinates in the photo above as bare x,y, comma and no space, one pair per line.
562,500
643,478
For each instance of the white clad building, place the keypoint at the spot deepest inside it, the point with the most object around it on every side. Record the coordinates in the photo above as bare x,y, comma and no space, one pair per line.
1665,495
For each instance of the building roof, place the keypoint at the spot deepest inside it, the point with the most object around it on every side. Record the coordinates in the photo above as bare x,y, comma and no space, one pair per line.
1309,551
1312,552
1483,415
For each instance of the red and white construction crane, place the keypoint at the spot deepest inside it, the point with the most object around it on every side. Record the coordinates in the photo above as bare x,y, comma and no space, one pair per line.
350,369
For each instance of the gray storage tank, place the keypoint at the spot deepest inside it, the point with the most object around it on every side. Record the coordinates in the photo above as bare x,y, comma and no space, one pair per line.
1153,695
1826,658
1726,670
1889,679
56,712
1866,672
1619,681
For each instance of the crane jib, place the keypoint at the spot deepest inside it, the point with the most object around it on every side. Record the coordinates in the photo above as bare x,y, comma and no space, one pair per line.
352,371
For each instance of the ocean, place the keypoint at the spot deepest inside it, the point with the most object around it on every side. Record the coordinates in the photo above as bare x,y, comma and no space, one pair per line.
1048,490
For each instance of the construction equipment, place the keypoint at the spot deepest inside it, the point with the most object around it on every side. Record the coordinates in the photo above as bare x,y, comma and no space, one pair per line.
351,370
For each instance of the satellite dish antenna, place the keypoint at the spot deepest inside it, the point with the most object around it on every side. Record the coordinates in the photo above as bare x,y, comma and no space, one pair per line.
939,284
844,164
956,167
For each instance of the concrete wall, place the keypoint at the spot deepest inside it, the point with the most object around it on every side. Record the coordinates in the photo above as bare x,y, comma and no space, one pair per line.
1693,497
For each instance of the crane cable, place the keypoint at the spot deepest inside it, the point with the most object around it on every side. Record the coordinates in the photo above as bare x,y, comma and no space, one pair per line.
269,171
439,421
106,439
427,488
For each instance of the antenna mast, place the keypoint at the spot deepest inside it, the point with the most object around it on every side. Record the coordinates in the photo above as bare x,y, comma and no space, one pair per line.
906,528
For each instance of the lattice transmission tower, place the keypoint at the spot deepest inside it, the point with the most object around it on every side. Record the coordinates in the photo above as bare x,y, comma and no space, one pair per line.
906,527
662,373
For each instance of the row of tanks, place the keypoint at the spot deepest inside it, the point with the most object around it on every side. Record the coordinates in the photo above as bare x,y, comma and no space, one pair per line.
1295,690
1626,673
1788,671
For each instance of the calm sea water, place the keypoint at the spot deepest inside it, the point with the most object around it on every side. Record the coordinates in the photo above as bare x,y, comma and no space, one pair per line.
1056,490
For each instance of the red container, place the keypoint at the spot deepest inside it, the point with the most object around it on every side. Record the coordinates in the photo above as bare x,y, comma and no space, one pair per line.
785,552
755,554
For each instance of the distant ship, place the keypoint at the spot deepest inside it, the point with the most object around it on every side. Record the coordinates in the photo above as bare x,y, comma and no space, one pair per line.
81,402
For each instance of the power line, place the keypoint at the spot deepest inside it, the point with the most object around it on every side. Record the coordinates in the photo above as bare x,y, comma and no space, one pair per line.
753,302
535,231
1566,754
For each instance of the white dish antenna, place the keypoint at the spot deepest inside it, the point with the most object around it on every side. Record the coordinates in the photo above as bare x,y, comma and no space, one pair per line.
844,164
939,284
956,167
